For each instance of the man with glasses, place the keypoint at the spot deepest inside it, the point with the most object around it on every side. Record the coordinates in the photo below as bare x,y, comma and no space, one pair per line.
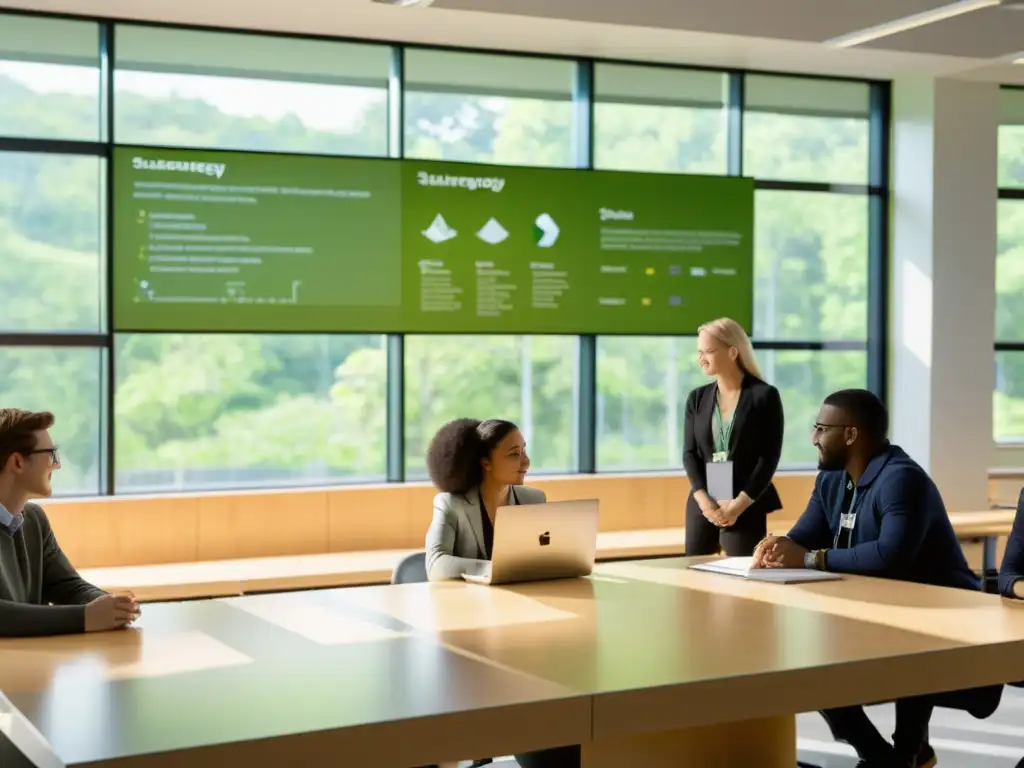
40,592
876,512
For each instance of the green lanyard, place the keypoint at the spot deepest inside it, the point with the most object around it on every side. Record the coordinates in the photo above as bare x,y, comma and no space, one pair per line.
724,431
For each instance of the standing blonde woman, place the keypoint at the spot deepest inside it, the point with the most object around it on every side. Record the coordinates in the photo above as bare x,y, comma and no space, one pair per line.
731,446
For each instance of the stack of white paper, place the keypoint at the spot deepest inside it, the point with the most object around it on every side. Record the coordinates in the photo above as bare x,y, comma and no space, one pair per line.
743,567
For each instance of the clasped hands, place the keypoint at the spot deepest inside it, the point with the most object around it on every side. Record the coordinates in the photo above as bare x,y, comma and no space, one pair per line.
725,515
110,611
778,552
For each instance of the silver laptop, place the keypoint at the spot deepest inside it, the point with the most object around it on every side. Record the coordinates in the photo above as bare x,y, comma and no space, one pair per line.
535,542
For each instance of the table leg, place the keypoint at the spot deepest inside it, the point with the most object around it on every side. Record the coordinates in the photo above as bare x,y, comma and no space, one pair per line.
768,743
988,554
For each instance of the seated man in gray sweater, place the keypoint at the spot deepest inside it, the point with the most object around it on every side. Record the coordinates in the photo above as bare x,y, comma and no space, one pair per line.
40,592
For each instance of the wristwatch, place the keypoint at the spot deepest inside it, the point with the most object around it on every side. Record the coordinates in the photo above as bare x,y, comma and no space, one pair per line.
815,560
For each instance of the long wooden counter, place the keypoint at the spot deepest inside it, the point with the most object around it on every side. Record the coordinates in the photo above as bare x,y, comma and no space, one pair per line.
115,531
218,544
220,578
646,663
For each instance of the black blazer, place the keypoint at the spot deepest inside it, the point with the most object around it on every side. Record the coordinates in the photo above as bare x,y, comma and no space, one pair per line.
754,445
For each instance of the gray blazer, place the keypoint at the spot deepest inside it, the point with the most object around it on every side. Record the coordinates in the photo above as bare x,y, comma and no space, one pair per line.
455,539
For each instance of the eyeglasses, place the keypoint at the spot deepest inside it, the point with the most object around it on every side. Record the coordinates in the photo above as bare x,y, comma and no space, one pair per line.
54,454
818,428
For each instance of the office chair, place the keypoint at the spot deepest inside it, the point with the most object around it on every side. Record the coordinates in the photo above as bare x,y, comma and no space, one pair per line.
412,569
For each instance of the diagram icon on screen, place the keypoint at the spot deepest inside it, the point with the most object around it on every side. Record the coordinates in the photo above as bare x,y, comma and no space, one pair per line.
492,232
545,231
439,231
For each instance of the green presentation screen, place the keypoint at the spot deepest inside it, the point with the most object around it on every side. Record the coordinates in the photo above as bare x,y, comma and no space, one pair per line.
231,241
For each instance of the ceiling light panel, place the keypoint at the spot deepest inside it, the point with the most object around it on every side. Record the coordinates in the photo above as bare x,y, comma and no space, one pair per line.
906,23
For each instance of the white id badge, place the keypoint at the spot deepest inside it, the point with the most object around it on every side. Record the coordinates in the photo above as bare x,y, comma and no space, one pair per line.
719,474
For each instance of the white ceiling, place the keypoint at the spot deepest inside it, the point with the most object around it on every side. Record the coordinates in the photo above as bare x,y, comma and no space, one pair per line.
806,20
777,35
985,34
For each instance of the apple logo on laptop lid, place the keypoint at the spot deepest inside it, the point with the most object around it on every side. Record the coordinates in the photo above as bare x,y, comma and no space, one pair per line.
544,538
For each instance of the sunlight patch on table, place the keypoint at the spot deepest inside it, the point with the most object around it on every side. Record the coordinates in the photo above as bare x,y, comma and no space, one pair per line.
314,622
457,608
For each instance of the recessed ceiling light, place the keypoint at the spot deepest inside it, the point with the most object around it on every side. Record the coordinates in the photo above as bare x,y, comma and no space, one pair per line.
896,26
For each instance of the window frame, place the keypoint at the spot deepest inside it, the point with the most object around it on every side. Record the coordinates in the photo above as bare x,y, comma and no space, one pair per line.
583,101
1009,193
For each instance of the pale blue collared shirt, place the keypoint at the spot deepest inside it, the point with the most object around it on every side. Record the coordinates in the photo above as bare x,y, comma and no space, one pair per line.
8,522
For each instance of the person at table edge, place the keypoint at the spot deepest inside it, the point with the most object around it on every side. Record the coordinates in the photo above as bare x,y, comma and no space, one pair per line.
1011,571
874,511
737,418
40,591
479,466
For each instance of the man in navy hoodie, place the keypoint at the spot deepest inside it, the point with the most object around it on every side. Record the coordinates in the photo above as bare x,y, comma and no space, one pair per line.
875,512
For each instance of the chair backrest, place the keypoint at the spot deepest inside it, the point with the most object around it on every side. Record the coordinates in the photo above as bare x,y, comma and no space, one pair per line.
411,570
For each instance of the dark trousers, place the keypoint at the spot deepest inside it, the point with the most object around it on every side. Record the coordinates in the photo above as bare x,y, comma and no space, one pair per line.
560,757
852,725
705,538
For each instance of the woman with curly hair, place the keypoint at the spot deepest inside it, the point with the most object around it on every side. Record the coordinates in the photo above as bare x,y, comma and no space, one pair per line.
479,466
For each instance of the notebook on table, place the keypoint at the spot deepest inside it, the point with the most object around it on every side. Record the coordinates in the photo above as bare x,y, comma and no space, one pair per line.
742,567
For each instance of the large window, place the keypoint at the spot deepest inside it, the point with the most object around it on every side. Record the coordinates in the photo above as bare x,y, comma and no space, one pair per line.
217,411
50,231
491,109
810,266
1011,139
659,119
806,130
643,385
806,141
50,79
52,220
527,379
488,109
207,89
153,412
69,383
1008,411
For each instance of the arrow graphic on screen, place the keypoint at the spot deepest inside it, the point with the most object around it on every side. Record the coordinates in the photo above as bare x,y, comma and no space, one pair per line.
439,231
545,230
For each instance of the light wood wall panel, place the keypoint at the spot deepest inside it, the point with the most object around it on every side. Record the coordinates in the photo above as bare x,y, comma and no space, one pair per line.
140,530
262,524
126,530
379,517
